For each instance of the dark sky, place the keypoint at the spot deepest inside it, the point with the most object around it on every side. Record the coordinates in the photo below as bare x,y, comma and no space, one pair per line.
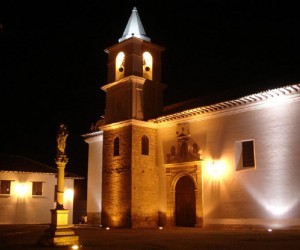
52,60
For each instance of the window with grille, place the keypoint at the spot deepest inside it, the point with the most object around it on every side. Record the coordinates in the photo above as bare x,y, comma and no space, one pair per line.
248,154
5,186
37,188
245,154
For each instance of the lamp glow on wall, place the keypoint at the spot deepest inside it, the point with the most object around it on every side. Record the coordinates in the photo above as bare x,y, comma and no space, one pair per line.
68,197
68,194
21,189
216,169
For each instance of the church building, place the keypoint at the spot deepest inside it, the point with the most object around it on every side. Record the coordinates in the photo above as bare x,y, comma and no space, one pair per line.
232,163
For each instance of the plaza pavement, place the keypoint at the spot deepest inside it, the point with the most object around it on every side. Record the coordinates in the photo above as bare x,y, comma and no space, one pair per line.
26,236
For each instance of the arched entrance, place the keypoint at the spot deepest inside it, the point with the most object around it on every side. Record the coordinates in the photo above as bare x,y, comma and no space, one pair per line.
185,202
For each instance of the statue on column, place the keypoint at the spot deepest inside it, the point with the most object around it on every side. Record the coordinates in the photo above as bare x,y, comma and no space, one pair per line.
61,140
61,161
59,232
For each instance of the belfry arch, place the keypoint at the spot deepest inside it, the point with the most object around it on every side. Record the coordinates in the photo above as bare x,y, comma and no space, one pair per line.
147,65
120,65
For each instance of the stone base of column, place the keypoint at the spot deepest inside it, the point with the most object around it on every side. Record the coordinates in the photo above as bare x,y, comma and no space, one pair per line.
59,233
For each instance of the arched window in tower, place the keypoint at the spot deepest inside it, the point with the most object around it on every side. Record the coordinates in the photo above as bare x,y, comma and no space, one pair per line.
116,146
120,69
145,145
147,65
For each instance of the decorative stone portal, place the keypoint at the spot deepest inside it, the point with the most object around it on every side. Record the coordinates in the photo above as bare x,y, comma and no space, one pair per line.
184,208
184,181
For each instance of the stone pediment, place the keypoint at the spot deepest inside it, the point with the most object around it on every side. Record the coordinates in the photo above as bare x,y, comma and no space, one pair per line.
186,150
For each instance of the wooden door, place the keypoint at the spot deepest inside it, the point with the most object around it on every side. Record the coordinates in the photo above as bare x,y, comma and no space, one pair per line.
185,202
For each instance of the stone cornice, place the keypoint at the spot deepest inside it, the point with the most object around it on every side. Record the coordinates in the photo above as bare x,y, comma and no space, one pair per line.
131,78
93,136
128,123
260,100
183,164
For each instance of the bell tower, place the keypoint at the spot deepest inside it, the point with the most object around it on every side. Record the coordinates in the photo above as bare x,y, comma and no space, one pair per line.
134,94
134,89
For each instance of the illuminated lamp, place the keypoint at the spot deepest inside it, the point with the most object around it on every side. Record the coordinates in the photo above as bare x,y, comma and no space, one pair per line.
215,169
21,189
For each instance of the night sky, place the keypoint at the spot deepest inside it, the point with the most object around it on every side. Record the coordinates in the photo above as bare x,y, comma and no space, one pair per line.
52,60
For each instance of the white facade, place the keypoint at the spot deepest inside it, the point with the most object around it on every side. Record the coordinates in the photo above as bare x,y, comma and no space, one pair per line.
94,202
266,194
21,207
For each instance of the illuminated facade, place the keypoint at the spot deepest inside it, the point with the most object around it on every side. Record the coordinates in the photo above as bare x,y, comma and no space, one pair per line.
233,163
28,191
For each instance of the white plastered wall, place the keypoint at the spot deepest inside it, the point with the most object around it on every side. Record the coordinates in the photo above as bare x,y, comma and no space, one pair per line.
24,208
94,188
266,195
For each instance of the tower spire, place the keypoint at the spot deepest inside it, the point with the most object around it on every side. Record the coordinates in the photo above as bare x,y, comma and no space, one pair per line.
134,27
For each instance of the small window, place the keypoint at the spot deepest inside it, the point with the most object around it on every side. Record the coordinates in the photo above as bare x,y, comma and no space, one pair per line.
37,188
248,154
5,187
145,145
116,146
245,157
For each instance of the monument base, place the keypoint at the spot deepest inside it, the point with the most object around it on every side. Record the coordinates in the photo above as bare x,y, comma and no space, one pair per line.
59,233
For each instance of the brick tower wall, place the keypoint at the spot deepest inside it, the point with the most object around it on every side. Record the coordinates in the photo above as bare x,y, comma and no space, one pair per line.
144,210
116,185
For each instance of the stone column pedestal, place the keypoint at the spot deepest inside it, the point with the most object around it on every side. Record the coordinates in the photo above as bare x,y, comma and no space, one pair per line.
59,233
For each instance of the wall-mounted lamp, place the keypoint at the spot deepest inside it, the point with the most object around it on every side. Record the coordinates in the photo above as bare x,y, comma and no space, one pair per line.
21,189
215,169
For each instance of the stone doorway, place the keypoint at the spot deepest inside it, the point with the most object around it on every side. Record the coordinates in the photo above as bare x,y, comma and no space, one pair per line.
185,202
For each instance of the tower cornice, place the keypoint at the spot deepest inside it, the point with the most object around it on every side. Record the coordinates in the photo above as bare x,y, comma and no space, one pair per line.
126,123
131,78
